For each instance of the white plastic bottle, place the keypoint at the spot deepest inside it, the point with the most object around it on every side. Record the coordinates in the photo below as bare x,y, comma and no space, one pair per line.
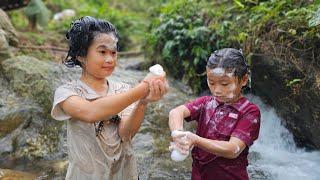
176,155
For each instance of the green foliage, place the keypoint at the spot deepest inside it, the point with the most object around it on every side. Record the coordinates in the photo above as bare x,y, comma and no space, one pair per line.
187,31
315,20
130,23
38,12
181,41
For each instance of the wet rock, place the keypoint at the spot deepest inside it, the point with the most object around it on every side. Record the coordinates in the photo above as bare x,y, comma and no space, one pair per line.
12,121
6,174
294,91
25,130
4,46
31,78
8,36
6,25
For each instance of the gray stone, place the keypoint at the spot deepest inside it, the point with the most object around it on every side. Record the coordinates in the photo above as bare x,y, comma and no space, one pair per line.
30,77
294,91
6,25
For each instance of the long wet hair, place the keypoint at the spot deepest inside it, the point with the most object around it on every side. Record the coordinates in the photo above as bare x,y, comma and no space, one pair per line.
81,35
232,60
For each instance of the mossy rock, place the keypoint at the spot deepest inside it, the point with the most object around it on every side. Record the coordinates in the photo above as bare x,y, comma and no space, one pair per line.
30,78
10,123
6,25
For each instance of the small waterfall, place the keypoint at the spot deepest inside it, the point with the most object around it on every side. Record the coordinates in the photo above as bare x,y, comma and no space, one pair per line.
276,153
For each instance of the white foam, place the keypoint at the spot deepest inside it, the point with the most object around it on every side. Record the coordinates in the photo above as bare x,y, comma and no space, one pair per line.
218,71
176,155
221,72
156,70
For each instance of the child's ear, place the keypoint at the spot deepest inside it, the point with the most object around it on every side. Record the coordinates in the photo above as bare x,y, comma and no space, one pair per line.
244,80
81,59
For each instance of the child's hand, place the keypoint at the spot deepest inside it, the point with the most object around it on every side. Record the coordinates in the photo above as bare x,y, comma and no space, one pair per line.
180,141
149,77
173,145
185,140
192,139
157,89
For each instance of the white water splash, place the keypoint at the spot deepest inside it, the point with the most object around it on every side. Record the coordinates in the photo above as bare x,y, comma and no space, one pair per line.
278,156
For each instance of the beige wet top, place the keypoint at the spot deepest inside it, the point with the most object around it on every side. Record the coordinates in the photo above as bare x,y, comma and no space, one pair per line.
95,157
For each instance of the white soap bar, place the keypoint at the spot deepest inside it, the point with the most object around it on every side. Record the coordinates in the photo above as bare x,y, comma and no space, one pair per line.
176,155
177,132
156,70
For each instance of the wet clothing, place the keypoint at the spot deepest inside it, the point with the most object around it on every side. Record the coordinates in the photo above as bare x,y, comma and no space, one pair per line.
104,156
219,121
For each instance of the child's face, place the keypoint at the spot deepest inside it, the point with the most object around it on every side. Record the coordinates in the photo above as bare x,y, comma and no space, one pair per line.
101,57
225,86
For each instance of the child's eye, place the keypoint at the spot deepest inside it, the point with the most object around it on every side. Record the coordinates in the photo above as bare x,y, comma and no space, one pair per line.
102,52
114,52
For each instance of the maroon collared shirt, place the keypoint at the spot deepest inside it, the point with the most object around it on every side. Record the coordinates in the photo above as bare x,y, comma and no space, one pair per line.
219,121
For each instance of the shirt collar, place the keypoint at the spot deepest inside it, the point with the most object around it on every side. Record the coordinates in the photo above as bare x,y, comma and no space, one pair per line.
238,105
89,92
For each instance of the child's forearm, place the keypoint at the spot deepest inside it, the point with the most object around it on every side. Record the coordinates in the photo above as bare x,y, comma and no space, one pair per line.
176,117
224,149
111,105
130,126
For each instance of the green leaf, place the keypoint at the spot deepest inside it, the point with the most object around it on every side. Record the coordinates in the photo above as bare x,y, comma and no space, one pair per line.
238,3
292,82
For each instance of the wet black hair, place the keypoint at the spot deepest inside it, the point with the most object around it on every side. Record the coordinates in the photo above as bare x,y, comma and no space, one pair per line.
81,34
229,59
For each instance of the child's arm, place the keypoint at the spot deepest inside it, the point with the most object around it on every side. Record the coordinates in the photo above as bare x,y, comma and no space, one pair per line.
129,125
227,149
92,111
176,117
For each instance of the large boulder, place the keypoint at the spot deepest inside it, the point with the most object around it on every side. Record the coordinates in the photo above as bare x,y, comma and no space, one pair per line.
30,78
294,91
5,24
25,129
5,51
8,36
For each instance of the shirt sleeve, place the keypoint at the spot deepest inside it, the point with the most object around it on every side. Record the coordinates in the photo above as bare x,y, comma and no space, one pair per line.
61,94
195,108
248,126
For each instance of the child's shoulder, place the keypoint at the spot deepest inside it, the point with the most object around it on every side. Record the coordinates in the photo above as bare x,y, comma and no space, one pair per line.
69,85
246,106
75,87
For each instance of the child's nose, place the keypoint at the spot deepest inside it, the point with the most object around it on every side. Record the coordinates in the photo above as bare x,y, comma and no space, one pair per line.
217,91
108,59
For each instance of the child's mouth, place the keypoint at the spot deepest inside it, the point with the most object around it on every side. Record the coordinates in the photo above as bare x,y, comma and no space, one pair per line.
222,98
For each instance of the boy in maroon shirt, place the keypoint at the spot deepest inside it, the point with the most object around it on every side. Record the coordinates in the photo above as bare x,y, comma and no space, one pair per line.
227,122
